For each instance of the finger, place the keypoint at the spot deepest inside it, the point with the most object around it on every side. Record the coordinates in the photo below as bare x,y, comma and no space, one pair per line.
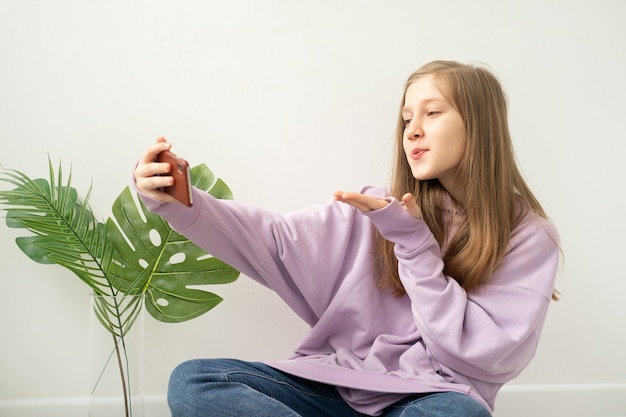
159,146
356,205
360,201
152,186
145,166
341,196
410,205
159,196
348,198
152,168
147,171
155,182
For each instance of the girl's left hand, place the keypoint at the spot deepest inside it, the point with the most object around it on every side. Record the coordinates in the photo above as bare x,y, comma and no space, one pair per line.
367,203
360,201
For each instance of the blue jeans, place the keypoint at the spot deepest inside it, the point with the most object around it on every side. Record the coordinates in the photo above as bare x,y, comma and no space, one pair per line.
233,388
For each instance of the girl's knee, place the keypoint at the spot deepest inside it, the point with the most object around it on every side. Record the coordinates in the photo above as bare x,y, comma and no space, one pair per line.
184,371
470,406
177,392
448,404
187,383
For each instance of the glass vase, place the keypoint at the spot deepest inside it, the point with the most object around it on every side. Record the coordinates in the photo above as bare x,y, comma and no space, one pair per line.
116,356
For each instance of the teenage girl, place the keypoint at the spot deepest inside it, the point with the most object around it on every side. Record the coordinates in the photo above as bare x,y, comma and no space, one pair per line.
423,299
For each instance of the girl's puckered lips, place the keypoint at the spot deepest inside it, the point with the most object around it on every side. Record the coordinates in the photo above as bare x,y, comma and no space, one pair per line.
417,153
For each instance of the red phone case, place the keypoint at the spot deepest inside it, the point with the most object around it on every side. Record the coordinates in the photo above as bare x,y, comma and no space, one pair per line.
181,190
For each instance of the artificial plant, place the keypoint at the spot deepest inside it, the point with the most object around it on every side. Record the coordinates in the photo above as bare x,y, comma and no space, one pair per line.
134,252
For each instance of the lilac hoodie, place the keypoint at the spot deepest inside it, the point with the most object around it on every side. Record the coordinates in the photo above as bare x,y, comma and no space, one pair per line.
377,348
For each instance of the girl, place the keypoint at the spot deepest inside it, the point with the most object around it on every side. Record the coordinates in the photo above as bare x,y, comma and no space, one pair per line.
423,300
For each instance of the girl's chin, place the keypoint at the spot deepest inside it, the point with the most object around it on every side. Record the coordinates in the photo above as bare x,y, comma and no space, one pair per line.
421,175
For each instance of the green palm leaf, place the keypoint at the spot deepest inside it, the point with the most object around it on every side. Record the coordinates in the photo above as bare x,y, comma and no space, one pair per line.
64,228
117,314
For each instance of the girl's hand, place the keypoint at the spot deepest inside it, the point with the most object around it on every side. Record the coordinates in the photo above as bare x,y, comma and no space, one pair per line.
410,205
362,202
367,203
150,176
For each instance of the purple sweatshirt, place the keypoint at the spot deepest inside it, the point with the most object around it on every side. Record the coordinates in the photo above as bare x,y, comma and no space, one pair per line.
375,347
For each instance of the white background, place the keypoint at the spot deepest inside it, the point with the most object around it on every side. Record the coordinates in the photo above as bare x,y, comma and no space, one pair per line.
288,101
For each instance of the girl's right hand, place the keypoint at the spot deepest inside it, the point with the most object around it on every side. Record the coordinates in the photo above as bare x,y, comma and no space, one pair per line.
151,176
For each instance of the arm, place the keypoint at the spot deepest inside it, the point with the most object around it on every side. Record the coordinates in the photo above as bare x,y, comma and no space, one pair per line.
492,333
298,255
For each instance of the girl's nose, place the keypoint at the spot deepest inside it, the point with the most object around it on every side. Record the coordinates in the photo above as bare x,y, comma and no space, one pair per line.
414,131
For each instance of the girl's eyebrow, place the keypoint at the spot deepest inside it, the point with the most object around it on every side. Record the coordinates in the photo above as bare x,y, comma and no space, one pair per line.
424,102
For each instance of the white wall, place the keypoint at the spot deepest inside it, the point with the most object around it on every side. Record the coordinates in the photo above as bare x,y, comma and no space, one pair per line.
288,101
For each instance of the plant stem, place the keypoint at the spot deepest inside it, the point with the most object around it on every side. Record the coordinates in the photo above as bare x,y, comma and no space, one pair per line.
121,366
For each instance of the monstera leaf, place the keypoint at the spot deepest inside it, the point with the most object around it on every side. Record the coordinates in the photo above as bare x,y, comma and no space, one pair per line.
163,263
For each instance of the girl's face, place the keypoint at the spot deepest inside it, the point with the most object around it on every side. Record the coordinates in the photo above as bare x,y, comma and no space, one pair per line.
434,134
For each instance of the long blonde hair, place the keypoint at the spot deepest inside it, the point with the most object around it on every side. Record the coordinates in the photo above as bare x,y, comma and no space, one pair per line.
494,189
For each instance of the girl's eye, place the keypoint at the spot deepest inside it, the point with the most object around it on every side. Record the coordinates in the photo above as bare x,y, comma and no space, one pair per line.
406,122
432,113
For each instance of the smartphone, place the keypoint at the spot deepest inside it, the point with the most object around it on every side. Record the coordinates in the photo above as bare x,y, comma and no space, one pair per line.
181,190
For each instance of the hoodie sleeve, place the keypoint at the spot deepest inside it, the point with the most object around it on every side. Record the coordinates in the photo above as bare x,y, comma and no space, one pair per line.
298,255
492,333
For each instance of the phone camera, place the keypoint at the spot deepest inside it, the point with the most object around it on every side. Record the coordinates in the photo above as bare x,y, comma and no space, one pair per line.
180,167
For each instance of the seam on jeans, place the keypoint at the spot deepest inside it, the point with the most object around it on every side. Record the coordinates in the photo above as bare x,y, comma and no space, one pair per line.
278,381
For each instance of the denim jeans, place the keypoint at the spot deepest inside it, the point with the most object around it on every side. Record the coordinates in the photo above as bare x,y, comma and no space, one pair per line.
233,388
